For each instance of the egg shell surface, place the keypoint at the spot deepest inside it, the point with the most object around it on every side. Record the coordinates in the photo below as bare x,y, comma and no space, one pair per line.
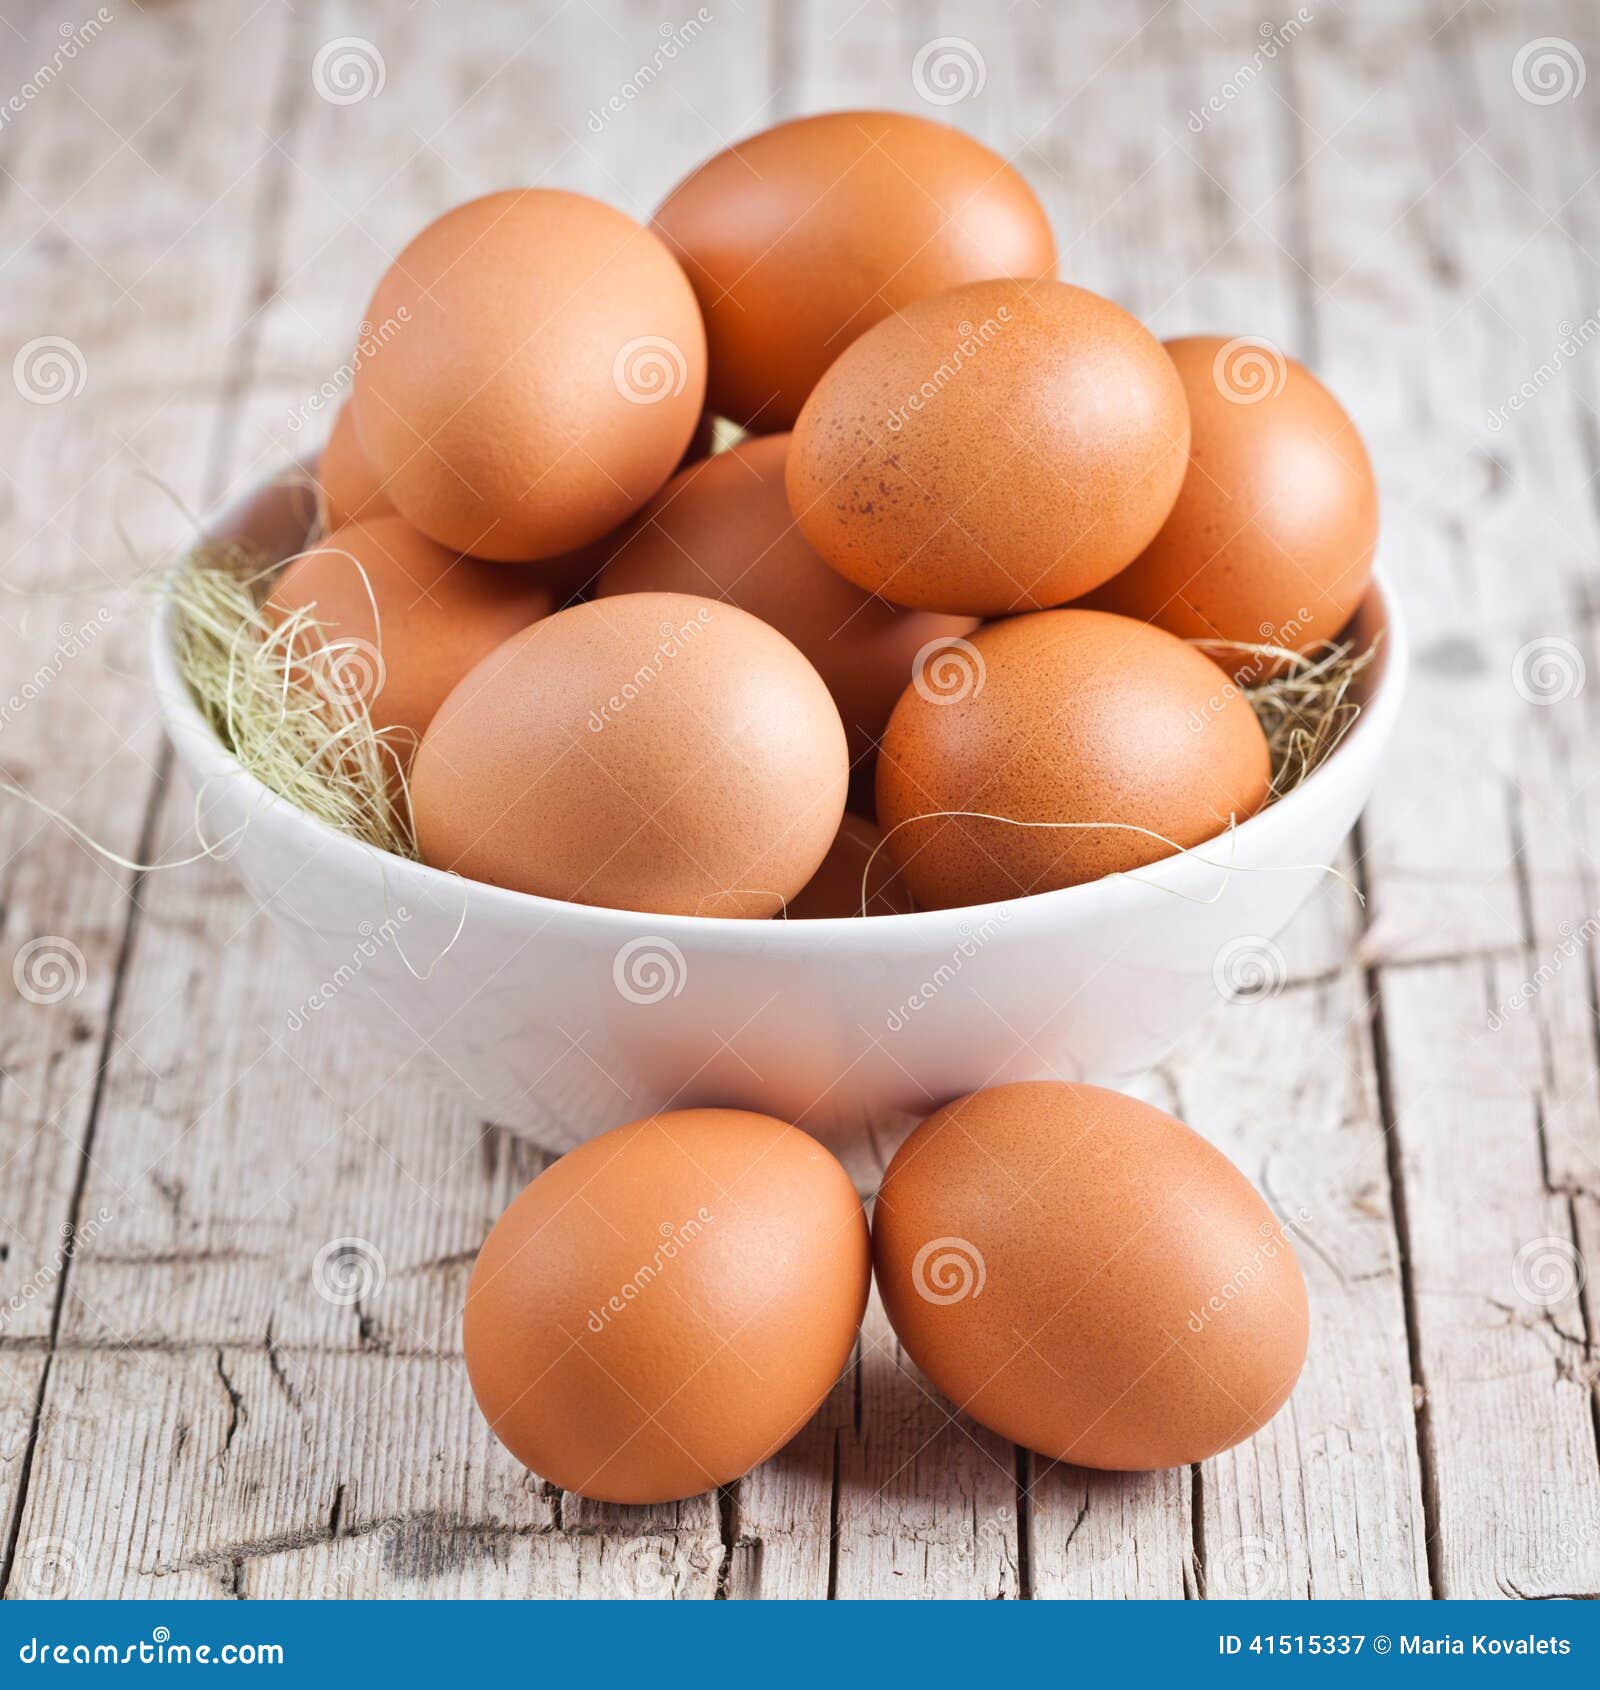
803,236
667,1305
723,529
1001,447
350,491
649,752
403,618
1084,1275
1068,716
539,376
1272,537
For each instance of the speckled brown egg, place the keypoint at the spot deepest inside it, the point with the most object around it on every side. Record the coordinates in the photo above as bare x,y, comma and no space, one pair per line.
1084,1275
536,372
723,529
1064,716
350,491
402,619
668,1304
836,888
650,752
803,236
1272,537
1000,447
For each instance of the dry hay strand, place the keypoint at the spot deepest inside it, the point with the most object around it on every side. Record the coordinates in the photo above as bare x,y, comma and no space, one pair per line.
289,701
1305,708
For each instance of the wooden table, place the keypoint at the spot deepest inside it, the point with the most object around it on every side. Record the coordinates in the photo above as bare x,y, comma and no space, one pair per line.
196,200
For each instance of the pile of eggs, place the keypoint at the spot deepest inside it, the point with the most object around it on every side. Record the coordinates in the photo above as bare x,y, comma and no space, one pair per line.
970,565
949,581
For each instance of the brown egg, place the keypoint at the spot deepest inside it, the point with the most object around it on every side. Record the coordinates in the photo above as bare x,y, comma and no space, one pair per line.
539,372
1067,716
652,752
835,889
1000,447
801,237
1086,1276
702,443
723,529
668,1304
1271,540
350,491
574,575
403,619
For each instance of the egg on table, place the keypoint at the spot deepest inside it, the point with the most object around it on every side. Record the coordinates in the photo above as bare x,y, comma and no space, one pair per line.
648,752
1272,536
399,619
1084,1275
540,371
804,235
722,528
1125,740
668,1304
1003,446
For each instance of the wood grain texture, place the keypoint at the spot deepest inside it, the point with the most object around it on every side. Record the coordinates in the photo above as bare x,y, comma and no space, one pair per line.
195,1401
1327,1499
927,1500
1472,808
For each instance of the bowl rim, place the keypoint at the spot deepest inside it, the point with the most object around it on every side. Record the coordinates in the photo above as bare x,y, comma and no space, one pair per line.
191,734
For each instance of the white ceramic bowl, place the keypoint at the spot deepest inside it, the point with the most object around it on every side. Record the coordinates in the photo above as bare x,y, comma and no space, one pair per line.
561,1020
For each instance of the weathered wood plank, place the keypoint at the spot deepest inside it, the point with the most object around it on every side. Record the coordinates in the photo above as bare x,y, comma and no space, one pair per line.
1326,1500
1090,1534
1500,1332
927,1500
168,1473
1438,255
472,1561
91,407
1038,93
779,1529
21,1371
1556,756
1406,231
